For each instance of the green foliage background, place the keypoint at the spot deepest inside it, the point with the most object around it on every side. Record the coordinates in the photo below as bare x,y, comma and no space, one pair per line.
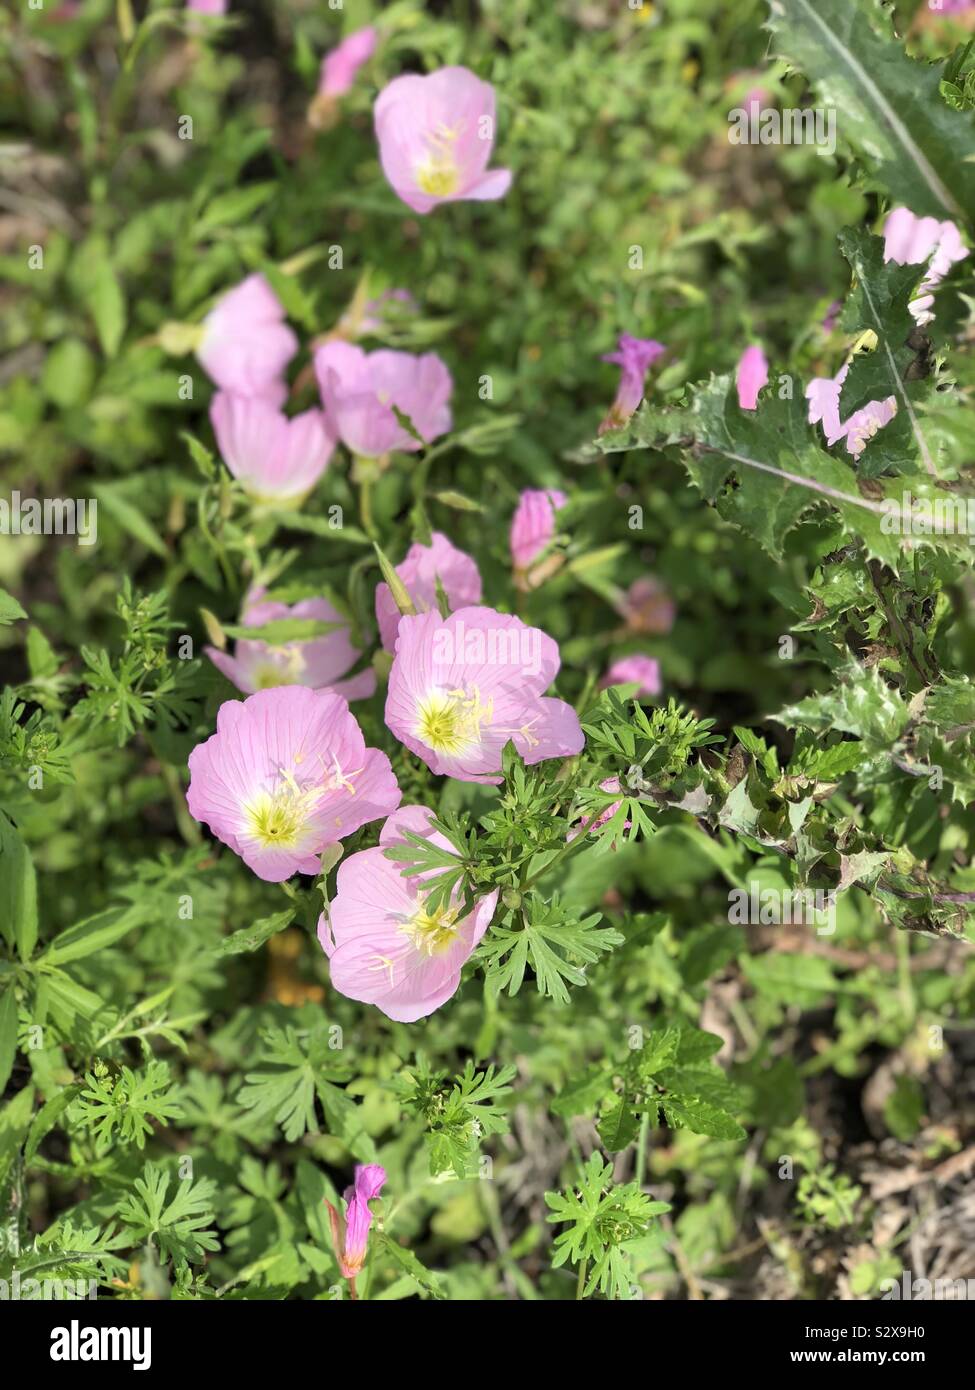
603,1109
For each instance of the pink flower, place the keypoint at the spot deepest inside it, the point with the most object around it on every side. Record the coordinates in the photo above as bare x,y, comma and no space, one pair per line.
642,669
246,343
420,571
384,947
831,315
634,356
319,662
952,6
360,388
823,395
339,68
435,138
286,774
911,240
350,1235
751,376
276,458
533,525
647,606
207,6
462,686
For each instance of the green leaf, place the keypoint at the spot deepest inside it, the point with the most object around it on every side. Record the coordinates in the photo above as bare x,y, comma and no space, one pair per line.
18,891
889,106
236,205
103,295
48,1116
861,703
8,1034
129,517
701,1117
778,463
620,1127
93,934
790,979
250,938
10,609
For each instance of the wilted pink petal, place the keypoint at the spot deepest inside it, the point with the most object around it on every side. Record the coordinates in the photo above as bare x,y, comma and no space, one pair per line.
823,395
751,376
339,68
644,670
384,947
647,606
462,686
359,390
246,344
318,662
286,774
911,240
423,567
276,458
435,138
634,356
533,524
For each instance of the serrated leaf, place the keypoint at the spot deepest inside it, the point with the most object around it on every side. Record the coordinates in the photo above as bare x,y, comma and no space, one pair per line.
890,106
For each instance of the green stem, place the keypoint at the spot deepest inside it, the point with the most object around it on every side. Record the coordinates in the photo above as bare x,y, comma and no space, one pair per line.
641,1150
581,1281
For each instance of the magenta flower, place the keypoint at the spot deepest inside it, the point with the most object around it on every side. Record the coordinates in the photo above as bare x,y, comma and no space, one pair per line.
277,459
533,525
823,395
286,774
384,947
911,240
647,606
246,343
320,662
635,357
339,68
751,376
435,138
360,388
350,1234
420,571
462,686
645,670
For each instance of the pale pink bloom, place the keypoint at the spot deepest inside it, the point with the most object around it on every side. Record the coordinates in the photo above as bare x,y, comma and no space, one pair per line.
384,947
318,662
462,686
612,784
911,240
423,567
360,388
644,670
207,6
823,395
339,68
533,524
350,1234
286,774
751,376
274,457
635,357
435,138
246,343
647,606
952,6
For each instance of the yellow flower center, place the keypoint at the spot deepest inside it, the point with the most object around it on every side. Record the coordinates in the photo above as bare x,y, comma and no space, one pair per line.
431,933
286,670
278,818
439,176
449,721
